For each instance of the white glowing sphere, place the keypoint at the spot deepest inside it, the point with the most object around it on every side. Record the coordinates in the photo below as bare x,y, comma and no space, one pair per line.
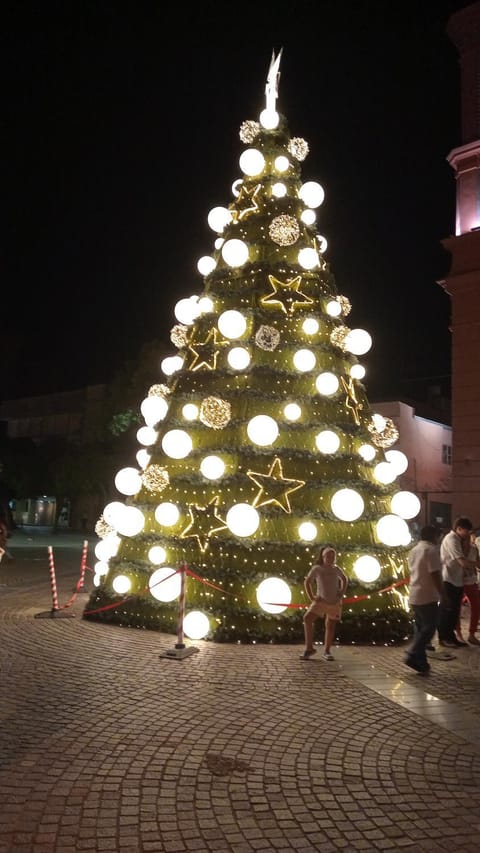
190,411
384,473
322,244
186,311
405,504
177,443
236,186
279,190
262,430
219,243
367,452
312,194
274,595
106,548
128,481
113,513
307,531
292,412
357,371
304,360
218,218
206,264
269,119
171,364
235,253
196,625
308,258
367,569
333,308
393,531
97,579
327,384
147,435
238,358
379,422
310,326
167,514
121,584
205,305
212,467
282,163
397,460
347,504
242,519
154,410
131,522
308,216
157,555
252,162
232,324
143,457
327,441
164,584
358,341
100,568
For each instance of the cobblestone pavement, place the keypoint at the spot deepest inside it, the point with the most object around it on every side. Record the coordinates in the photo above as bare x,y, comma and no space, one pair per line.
106,745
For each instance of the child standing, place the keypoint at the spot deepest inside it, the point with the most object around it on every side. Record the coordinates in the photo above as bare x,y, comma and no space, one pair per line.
331,582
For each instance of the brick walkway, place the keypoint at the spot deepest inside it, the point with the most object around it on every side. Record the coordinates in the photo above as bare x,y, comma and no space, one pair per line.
105,745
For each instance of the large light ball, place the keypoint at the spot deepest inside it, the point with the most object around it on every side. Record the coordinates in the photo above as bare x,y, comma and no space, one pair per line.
128,481
274,595
357,371
308,258
212,467
358,341
269,119
379,422
157,555
252,162
205,304
167,514
131,522
238,358
308,216
143,457
186,311
164,584
121,584
310,326
312,194
392,530
384,473
190,411
292,412
367,452
262,430
206,264
235,253
307,531
218,218
367,569
154,410
397,460
196,625
279,190
177,443
282,163
347,504
304,360
171,364
147,435
113,513
327,441
101,568
106,548
232,324
405,504
242,519
333,308
327,384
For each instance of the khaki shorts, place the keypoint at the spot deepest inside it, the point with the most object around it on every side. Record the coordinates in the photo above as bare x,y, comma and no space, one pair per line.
321,608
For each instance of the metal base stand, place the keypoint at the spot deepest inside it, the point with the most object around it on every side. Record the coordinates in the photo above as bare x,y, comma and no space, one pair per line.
179,652
54,614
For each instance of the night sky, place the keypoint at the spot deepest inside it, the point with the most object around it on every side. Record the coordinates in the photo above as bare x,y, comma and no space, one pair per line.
122,133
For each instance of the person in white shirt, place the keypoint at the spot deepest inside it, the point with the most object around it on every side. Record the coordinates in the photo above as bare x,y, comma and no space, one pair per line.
331,583
471,591
425,591
454,563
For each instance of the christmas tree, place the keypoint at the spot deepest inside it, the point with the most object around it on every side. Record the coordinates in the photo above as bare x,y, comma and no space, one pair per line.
259,444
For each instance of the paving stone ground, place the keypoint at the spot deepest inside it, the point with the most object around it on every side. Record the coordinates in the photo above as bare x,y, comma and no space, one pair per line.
105,745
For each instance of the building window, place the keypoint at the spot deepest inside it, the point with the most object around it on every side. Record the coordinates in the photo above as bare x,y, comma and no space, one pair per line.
446,454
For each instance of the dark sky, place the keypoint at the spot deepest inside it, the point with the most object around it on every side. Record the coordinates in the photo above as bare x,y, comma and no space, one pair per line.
122,133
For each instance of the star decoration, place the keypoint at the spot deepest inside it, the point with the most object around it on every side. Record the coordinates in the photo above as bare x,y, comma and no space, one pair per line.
204,521
205,353
246,203
274,487
286,294
351,402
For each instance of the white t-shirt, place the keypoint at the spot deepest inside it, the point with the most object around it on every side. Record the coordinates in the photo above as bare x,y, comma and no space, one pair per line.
423,559
451,549
329,579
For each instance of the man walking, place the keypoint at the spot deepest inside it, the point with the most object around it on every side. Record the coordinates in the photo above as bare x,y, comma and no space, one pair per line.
454,561
425,592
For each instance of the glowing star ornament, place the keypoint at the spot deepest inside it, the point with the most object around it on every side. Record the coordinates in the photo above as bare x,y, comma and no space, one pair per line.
286,294
204,353
246,203
204,522
274,487
352,403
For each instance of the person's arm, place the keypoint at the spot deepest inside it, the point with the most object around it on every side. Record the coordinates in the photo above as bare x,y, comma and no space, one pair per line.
309,588
343,584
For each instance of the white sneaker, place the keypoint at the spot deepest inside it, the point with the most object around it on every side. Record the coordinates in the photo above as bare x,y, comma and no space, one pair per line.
328,656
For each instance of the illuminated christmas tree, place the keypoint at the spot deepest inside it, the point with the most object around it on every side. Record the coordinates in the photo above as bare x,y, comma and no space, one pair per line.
259,443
